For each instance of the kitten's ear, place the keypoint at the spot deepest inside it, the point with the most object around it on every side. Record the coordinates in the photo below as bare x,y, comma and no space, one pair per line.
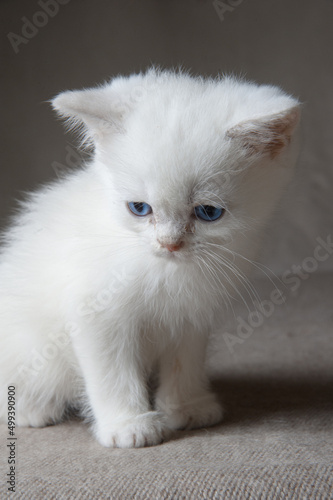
98,110
268,135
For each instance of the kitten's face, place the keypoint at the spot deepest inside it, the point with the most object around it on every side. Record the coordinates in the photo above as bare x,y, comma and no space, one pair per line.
178,227
181,205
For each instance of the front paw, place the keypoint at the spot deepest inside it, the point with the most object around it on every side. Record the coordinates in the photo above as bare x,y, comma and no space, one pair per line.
147,429
201,411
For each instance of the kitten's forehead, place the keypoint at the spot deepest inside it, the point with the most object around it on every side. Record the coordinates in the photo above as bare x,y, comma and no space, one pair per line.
169,151
174,174
176,121
173,192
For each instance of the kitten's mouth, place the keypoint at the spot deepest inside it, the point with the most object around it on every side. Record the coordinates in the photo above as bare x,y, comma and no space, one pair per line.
173,255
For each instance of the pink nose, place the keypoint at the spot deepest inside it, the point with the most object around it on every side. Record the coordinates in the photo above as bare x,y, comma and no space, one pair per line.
173,248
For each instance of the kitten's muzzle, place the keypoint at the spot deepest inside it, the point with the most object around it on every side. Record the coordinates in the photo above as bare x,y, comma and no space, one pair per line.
172,247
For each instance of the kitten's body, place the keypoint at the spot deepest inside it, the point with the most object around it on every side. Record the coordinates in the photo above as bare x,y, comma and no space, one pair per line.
92,299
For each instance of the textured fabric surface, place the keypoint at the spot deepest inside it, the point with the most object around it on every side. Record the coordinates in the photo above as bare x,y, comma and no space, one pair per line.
276,441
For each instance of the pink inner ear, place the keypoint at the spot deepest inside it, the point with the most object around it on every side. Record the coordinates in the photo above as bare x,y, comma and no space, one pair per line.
266,136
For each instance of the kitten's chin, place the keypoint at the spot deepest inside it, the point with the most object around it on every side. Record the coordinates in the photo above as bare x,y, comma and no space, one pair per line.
177,256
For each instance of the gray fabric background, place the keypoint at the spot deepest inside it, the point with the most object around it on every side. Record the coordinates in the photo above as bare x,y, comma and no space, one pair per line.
284,42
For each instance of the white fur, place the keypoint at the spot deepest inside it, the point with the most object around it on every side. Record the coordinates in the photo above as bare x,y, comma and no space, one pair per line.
91,301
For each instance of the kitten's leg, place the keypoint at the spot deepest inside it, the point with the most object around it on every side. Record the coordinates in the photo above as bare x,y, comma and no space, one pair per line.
42,377
116,389
184,396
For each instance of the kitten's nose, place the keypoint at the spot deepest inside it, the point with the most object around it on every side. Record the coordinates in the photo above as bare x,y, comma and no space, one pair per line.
172,248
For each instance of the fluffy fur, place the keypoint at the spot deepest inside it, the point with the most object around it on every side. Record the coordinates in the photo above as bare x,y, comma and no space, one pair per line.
92,302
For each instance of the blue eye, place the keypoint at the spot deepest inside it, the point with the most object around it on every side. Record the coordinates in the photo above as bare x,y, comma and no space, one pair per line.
208,213
139,208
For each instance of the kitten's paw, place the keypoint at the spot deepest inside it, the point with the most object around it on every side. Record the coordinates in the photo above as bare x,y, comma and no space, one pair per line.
147,429
202,411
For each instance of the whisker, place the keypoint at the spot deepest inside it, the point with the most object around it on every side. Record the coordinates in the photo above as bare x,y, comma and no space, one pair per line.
226,295
257,265
244,281
229,280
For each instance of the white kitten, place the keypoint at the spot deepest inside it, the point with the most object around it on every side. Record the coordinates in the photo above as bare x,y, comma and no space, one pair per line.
122,269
